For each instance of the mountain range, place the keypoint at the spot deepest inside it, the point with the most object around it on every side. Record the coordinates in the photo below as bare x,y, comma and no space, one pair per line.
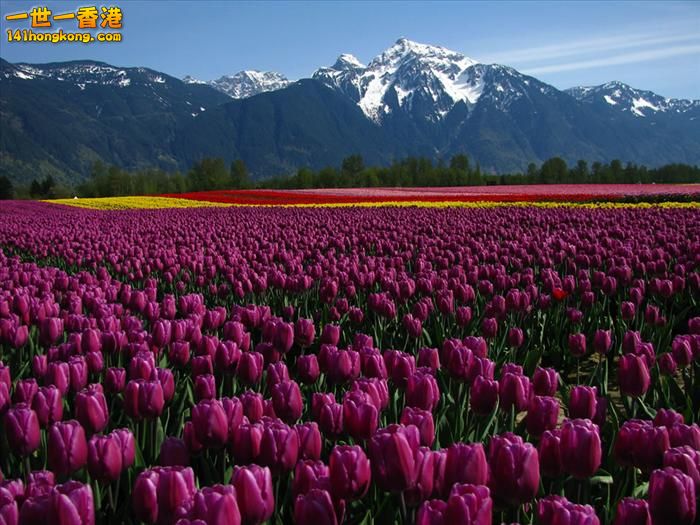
412,99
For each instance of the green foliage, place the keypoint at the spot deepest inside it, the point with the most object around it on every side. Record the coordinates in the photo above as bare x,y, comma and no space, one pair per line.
6,189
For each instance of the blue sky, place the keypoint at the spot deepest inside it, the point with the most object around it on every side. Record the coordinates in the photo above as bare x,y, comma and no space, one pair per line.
649,45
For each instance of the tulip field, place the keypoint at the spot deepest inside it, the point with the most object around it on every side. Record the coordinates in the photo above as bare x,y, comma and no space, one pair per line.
199,359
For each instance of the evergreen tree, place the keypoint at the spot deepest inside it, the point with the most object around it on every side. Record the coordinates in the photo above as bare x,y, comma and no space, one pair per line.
6,189
239,175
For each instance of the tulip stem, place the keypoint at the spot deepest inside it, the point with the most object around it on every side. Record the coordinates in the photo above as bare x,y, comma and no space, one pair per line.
404,513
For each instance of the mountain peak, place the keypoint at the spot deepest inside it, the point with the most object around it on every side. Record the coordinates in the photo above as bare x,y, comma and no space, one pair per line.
245,83
347,61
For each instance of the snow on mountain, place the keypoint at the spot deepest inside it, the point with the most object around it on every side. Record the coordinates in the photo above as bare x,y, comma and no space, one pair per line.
408,75
87,72
245,84
637,102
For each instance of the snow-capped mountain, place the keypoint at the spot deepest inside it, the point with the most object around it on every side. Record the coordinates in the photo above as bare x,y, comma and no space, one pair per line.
419,78
245,84
86,72
411,100
636,102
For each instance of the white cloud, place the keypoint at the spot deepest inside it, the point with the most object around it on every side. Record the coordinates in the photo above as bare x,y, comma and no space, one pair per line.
587,46
625,58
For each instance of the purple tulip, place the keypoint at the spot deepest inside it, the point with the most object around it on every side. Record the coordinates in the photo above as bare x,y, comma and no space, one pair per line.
254,493
469,504
307,369
580,447
21,426
104,458
602,341
310,440
250,368
556,510
204,387
633,375
583,401
466,463
279,447
360,415
174,453
422,391
542,414
115,380
681,434
316,506
577,344
67,447
304,332
349,472
210,423
128,446
310,474
483,395
91,410
69,503
640,444
48,405
687,460
423,421
287,401
631,511
672,497
431,512
550,453
514,465
216,504
514,392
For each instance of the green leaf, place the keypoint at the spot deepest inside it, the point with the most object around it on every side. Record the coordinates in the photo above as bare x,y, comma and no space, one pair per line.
641,490
602,480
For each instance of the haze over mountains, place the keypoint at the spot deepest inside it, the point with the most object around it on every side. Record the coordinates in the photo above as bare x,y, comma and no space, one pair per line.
411,100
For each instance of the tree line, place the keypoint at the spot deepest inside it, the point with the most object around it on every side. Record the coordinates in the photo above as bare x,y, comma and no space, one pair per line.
213,174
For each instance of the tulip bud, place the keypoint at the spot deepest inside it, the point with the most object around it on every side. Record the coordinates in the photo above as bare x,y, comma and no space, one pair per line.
542,414
66,447
360,415
22,429
287,400
91,410
423,421
48,405
104,458
672,497
250,368
581,451
583,401
514,466
514,391
349,472
215,504
307,368
633,375
115,380
550,453
469,504
545,381
640,444
632,511
555,510
254,492
483,395
422,391
279,447
204,387
210,423
174,453
466,463
310,440
316,506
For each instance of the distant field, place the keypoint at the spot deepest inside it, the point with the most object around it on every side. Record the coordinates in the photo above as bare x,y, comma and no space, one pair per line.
541,192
